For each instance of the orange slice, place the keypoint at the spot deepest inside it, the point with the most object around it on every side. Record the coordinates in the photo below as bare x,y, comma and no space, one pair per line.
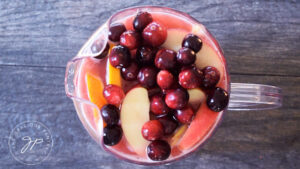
95,92
113,75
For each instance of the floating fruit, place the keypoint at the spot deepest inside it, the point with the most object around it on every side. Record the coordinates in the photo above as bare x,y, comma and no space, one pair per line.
112,135
119,56
110,114
115,31
113,94
155,34
177,98
147,76
152,130
211,77
193,42
134,114
217,100
141,20
158,150
165,59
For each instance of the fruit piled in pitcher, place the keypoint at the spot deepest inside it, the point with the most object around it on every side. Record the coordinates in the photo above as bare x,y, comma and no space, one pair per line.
159,106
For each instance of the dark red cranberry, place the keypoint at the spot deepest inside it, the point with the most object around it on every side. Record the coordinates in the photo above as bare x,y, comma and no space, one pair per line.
115,31
177,99
147,76
165,79
119,56
190,78
110,114
112,135
185,115
158,150
130,39
152,130
211,77
155,34
96,47
186,56
130,73
113,94
217,100
168,123
141,20
165,59
158,105
193,42
145,55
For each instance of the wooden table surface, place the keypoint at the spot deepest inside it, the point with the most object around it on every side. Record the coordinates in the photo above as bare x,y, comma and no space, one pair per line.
261,41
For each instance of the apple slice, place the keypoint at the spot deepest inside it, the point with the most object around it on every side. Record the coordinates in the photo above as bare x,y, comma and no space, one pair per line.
207,56
178,134
174,39
198,129
134,113
197,96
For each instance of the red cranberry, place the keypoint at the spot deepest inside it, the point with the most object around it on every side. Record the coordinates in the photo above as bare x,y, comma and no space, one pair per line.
119,56
186,56
168,123
130,39
211,77
110,114
115,31
190,78
96,47
147,76
145,55
164,79
130,73
217,100
112,135
155,34
141,20
158,150
177,99
184,115
193,42
152,130
113,94
165,59
158,105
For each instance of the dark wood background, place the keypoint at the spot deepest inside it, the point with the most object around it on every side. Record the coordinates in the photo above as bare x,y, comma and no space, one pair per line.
261,41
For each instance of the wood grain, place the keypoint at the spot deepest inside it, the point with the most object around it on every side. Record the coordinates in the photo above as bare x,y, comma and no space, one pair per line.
257,34
260,39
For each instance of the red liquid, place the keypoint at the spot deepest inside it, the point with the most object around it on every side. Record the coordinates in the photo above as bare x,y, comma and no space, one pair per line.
204,119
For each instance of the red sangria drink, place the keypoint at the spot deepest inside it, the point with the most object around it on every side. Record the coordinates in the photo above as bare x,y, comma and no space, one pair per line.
151,85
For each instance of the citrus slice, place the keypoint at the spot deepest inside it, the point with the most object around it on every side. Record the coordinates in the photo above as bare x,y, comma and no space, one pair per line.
113,75
95,92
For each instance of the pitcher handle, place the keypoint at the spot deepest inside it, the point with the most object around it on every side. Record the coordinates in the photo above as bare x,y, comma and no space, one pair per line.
246,96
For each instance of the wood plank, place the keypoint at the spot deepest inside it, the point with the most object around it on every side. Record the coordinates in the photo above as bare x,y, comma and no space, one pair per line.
259,37
256,139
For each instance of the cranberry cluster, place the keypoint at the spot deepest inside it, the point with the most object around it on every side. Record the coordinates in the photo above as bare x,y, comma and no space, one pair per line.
170,74
112,132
